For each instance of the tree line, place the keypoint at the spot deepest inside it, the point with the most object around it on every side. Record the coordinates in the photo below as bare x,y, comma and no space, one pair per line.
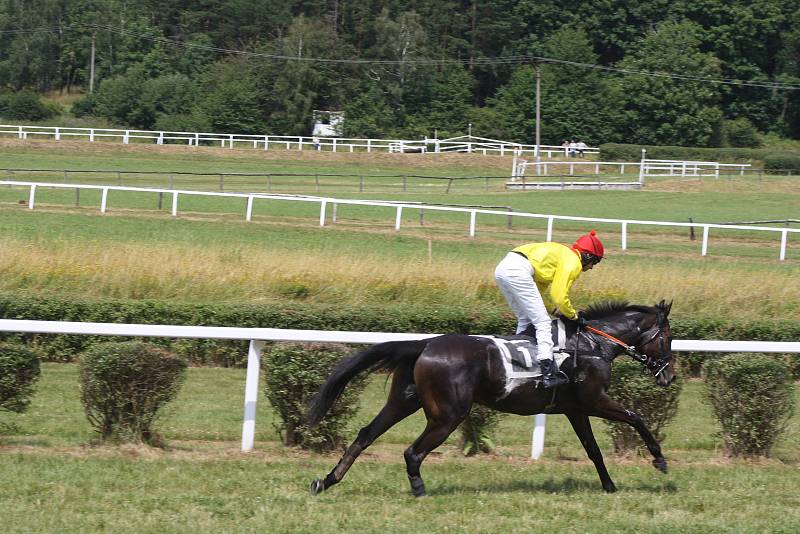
404,68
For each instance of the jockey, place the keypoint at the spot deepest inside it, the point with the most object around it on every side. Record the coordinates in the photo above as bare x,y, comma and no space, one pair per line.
530,270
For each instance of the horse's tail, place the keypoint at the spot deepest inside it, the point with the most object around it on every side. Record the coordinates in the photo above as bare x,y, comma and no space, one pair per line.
384,356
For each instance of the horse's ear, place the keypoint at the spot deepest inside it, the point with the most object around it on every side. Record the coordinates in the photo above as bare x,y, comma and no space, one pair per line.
665,306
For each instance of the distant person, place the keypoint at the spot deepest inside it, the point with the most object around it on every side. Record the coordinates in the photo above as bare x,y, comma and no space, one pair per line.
315,140
565,146
530,270
573,147
581,146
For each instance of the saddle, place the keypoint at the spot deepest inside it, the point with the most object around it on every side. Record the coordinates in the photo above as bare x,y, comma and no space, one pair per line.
519,351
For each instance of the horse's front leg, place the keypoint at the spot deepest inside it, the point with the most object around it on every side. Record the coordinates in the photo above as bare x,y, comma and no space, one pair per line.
583,428
608,408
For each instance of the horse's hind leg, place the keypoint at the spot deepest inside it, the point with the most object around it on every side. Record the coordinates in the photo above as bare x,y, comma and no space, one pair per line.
402,402
583,428
434,435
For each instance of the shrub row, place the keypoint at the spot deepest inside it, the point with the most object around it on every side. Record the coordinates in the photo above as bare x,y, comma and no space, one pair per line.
388,318
125,384
782,161
624,152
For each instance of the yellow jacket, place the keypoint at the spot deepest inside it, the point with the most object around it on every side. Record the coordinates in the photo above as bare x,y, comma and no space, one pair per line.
555,267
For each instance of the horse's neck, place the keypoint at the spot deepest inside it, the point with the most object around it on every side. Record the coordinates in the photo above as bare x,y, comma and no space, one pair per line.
626,327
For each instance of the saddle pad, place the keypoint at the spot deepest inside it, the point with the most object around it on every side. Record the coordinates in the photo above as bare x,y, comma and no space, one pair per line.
519,357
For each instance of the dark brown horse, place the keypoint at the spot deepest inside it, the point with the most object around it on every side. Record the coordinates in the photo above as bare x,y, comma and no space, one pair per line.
445,375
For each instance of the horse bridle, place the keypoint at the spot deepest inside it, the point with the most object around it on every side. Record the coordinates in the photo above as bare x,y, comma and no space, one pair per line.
656,366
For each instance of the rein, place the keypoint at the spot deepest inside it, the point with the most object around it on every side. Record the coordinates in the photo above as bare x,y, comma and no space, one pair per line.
630,350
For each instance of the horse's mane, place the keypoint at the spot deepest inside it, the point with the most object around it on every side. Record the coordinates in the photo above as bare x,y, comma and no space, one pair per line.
607,307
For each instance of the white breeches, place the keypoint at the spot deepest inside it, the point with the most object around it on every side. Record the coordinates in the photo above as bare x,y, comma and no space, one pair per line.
514,276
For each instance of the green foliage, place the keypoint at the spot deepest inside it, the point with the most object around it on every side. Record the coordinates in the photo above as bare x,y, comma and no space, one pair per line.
309,316
665,111
25,105
19,370
477,430
124,385
625,152
294,372
636,389
782,161
752,398
740,133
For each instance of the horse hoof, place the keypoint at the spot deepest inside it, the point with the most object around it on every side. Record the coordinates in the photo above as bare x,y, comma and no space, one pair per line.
660,464
317,487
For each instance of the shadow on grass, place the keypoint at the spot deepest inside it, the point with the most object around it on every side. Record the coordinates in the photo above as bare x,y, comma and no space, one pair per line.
561,486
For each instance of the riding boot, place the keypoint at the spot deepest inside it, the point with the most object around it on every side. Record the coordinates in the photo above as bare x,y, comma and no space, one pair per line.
551,376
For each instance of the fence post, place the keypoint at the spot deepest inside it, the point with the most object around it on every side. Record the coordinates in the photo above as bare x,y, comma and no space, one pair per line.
537,443
66,177
322,205
32,196
549,228
784,235
104,200
333,215
249,208
472,215
705,240
625,235
175,204
221,183
398,217
251,394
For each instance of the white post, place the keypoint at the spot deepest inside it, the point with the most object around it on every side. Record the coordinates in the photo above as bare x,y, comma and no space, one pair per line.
266,142
472,223
334,144
91,135
58,135
251,394
537,444
231,141
705,241
625,235
322,206
784,235
31,196
549,229
126,137
249,208
398,217
175,204
103,200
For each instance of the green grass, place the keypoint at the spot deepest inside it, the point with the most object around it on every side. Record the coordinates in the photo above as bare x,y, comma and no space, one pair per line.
202,481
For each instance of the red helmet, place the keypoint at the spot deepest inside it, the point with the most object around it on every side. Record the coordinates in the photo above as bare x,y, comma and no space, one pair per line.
590,243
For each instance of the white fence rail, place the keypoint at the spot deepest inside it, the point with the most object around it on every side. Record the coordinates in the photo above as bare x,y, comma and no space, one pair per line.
257,336
398,208
283,142
645,167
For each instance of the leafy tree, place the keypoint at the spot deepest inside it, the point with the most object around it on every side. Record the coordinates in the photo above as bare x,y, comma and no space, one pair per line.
663,110
231,99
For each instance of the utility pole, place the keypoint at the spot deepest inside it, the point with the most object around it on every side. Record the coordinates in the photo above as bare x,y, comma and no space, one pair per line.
538,112
91,64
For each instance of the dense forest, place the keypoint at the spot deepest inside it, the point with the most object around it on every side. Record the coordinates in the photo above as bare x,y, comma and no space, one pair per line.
684,72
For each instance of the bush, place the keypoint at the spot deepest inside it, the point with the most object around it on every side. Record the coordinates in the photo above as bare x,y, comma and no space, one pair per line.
294,372
477,430
752,398
25,105
125,384
636,389
740,133
19,370
782,161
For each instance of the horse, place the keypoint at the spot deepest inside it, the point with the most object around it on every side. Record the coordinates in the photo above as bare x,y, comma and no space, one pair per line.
445,375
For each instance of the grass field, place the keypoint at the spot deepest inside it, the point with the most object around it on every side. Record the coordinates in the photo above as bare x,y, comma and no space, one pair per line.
64,482
202,482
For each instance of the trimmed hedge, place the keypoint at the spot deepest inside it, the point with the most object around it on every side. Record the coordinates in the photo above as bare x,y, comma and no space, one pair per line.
636,389
477,430
19,371
625,152
752,398
789,161
124,385
294,372
298,315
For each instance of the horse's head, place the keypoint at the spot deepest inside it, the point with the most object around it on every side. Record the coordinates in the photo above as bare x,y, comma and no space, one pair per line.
646,331
655,344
